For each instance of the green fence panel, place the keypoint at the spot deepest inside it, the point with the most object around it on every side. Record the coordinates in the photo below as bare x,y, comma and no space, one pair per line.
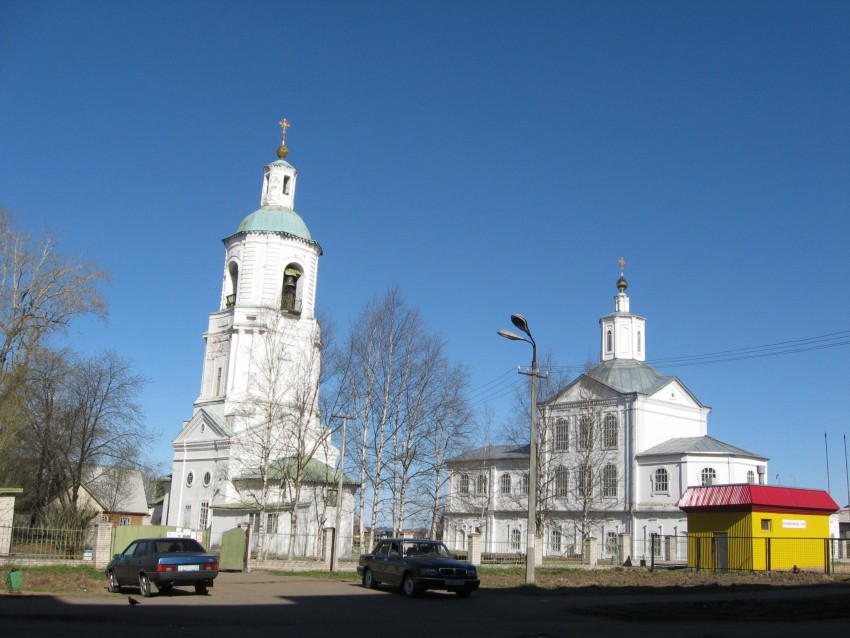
232,550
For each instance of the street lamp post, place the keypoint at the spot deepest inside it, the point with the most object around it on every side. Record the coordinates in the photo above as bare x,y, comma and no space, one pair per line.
520,322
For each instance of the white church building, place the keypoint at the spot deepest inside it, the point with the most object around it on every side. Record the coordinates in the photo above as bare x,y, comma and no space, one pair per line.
255,449
618,447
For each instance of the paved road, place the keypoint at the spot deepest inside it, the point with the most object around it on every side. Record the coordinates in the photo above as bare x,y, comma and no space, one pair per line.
242,605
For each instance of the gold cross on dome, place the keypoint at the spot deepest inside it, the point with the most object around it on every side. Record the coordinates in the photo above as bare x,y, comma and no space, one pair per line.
284,124
622,265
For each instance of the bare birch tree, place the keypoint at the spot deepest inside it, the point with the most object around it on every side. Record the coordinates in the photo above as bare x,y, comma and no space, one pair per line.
409,406
41,292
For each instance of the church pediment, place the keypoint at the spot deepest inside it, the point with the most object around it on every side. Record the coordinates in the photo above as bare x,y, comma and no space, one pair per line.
584,389
675,392
203,426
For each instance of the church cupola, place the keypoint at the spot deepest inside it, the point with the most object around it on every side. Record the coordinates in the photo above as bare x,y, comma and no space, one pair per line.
623,334
279,177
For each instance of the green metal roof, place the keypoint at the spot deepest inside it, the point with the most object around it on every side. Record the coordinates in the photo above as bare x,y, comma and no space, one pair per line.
276,219
314,472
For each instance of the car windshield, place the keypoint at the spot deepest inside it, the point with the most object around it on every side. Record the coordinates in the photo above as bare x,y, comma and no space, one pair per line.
426,549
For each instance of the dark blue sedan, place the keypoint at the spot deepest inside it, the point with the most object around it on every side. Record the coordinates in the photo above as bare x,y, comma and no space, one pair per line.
165,562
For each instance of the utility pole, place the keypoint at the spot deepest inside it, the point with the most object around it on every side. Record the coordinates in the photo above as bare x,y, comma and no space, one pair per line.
335,548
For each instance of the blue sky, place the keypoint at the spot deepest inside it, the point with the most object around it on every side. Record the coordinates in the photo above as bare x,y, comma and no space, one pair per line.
489,157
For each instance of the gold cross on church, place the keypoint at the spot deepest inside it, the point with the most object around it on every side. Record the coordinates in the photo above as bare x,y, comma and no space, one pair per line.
284,124
622,265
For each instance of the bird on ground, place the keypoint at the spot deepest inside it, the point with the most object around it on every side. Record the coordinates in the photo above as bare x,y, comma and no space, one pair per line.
133,601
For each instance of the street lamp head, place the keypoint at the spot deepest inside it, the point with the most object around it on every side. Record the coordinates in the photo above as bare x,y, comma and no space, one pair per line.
520,322
507,334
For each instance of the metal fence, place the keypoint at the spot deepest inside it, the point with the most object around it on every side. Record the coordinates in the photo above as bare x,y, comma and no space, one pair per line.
47,544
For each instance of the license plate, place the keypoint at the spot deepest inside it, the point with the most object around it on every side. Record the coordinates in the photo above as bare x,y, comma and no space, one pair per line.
188,568
454,583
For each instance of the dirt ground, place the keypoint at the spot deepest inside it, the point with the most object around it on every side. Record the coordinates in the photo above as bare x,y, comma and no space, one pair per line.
806,595
821,596
636,579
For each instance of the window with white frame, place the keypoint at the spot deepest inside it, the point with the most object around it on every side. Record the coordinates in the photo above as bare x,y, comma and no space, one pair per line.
610,434
562,434
482,484
661,481
708,476
583,482
612,544
562,481
505,483
255,522
187,516
516,540
124,520
464,484
205,515
271,523
525,483
751,477
555,541
585,433
609,481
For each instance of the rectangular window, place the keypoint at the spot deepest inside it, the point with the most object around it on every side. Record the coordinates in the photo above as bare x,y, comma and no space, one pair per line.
271,523
765,524
187,516
218,383
205,514
332,494
124,520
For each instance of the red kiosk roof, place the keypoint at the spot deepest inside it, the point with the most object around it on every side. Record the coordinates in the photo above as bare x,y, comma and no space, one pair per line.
764,498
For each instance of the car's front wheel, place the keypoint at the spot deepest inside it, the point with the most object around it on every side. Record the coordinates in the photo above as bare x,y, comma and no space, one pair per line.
369,579
201,588
408,586
112,584
144,585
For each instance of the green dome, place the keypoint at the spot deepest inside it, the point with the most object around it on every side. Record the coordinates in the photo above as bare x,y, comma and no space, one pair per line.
275,219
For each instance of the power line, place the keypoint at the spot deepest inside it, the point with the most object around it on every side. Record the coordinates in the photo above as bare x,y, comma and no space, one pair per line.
501,385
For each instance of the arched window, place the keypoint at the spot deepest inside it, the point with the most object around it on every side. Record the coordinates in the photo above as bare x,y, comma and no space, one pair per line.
661,481
562,481
233,285
290,296
585,433
562,434
610,434
516,539
525,483
584,485
609,341
464,483
708,476
609,481
505,483
482,484
751,477
639,341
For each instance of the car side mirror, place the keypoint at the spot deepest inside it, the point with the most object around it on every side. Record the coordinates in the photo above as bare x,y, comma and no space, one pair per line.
116,556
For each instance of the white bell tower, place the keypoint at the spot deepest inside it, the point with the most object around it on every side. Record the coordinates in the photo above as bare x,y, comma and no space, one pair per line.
269,286
623,334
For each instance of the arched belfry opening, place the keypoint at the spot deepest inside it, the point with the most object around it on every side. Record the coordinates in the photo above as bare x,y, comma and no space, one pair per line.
290,298
232,285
